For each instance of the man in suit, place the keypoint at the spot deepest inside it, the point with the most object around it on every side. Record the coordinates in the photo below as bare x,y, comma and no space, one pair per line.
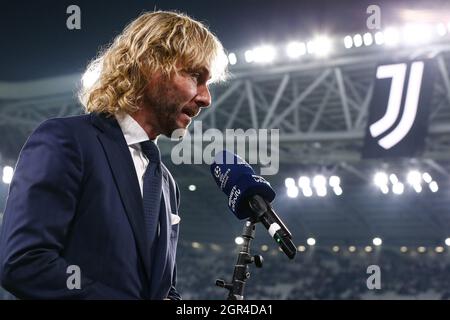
92,213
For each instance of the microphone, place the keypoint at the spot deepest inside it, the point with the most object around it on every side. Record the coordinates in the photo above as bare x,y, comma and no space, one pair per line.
249,196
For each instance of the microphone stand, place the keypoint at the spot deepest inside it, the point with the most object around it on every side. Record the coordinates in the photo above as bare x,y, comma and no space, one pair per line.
241,273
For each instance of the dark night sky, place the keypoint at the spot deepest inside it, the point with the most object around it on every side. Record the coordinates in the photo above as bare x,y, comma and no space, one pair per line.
35,42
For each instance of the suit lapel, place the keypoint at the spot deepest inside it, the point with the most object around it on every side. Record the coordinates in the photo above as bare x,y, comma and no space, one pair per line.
122,167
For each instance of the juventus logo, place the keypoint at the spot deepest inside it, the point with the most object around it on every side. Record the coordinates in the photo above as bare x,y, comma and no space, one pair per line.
397,72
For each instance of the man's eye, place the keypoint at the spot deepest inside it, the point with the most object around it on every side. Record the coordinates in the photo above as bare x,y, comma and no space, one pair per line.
195,75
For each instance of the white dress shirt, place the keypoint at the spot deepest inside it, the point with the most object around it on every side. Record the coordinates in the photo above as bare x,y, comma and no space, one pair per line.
134,134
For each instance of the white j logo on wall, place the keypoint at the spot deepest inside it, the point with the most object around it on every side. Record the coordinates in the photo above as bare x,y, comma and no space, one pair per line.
398,113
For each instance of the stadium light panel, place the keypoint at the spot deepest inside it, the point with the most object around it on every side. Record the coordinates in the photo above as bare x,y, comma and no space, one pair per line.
398,188
357,40
414,177
427,177
289,182
311,241
433,186
337,190
447,242
441,30
391,36
368,39
379,38
377,241
7,174
264,54
239,240
380,179
334,181
319,181
232,59
393,178
307,192
292,192
304,182
322,46
348,42
295,49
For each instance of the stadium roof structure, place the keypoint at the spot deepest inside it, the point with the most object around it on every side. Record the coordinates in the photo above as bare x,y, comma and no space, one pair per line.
320,106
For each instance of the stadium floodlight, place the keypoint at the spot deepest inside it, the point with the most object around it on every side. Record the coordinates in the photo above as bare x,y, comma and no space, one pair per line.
398,188
264,247
384,189
292,192
447,242
304,182
391,36
377,241
379,38
334,181
357,40
393,178
7,174
421,249
192,187
322,46
403,249
289,182
352,248
249,56
310,47
239,240
336,248
311,241
301,248
441,30
321,191
337,190
264,54
196,245
368,39
417,188
295,49
415,34
368,249
307,192
414,177
319,181
380,179
232,59
348,42
439,249
427,177
433,186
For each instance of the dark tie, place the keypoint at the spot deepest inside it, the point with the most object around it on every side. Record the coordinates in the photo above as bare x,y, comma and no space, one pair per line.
152,189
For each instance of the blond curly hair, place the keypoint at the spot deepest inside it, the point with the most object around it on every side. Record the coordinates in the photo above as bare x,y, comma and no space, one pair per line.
155,41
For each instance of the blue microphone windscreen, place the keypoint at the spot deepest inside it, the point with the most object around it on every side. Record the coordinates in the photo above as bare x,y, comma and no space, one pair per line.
236,178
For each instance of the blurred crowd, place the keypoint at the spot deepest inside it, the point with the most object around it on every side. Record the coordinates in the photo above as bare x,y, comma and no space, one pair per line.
318,274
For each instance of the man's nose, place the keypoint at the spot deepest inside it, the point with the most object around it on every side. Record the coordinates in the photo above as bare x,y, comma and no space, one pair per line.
203,97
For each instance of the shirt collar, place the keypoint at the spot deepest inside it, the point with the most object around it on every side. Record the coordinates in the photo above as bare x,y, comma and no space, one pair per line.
132,131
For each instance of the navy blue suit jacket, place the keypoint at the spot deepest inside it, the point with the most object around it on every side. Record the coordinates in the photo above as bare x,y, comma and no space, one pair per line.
75,200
